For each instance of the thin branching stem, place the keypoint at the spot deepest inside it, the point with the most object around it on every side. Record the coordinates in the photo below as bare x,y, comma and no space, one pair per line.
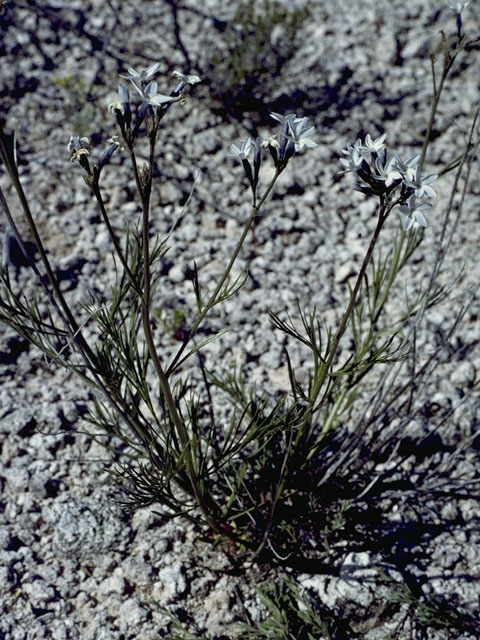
383,214
325,368
393,271
58,301
66,312
144,182
118,249
448,61
221,283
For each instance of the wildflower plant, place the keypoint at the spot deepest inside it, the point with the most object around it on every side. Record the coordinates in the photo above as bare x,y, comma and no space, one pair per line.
281,476
383,174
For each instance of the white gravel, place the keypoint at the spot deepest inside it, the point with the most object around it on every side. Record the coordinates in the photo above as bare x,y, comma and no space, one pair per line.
73,565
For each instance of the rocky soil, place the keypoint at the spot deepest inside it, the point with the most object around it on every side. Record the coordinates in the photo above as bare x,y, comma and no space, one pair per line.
73,563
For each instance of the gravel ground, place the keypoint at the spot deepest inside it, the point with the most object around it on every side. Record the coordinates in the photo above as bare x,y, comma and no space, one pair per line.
73,565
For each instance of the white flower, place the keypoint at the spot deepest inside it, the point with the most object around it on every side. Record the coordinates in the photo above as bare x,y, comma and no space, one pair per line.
409,168
243,152
387,170
422,185
300,133
183,80
144,75
458,7
150,96
373,146
354,160
284,120
412,213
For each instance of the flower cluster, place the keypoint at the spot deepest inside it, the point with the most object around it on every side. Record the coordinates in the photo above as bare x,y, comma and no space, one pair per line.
293,137
146,88
77,147
144,85
382,173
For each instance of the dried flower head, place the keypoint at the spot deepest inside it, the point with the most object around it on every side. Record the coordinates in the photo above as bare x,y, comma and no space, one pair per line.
78,151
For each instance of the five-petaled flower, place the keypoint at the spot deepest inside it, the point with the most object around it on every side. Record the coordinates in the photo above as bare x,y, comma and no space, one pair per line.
382,174
422,185
183,80
284,120
300,133
373,146
354,158
458,7
150,96
412,213
188,79
408,169
387,169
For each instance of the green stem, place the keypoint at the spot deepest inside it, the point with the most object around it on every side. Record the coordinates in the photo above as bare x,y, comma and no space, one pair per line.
144,191
325,369
391,278
118,250
58,301
448,61
213,298
65,310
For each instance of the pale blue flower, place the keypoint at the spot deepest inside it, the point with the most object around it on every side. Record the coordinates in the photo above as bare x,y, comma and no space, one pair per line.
354,159
373,146
412,213
300,133
123,93
422,185
188,79
142,76
150,96
387,169
458,7
243,152
284,120
409,168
